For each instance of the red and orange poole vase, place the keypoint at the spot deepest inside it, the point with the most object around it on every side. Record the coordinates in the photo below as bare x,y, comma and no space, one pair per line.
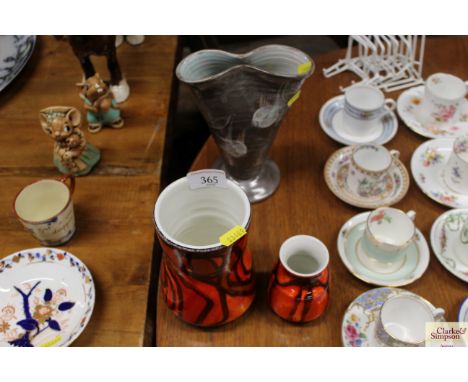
206,271
299,286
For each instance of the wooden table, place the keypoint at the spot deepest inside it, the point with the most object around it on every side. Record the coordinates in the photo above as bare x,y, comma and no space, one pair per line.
304,204
115,232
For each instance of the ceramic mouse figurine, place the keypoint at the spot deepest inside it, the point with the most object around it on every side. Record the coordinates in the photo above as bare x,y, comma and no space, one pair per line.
102,109
85,46
72,155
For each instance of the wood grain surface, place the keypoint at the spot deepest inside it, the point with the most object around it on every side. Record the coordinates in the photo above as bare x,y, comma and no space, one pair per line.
113,205
304,205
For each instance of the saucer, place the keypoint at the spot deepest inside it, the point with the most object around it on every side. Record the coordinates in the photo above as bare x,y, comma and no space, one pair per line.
463,312
335,173
331,121
46,298
427,165
445,234
410,268
408,105
360,318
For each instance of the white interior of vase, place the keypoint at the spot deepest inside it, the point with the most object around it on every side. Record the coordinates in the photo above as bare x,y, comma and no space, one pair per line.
196,218
275,59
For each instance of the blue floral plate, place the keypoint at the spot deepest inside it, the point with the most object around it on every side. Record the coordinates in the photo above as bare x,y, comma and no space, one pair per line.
46,298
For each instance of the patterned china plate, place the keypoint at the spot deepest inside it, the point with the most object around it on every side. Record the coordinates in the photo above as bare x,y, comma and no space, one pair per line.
444,234
15,51
463,312
410,268
330,118
407,106
46,298
358,327
335,174
427,165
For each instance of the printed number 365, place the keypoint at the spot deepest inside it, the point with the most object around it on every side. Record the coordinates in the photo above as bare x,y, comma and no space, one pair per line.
209,179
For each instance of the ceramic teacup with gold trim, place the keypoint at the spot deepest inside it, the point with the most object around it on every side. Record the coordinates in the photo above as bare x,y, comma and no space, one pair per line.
369,170
389,232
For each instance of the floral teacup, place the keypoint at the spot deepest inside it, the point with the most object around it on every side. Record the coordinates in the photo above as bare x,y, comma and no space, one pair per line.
402,320
368,174
443,95
389,232
456,171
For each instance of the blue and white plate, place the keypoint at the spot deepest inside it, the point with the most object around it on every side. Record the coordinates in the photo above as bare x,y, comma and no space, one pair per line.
15,51
46,298
330,118
411,267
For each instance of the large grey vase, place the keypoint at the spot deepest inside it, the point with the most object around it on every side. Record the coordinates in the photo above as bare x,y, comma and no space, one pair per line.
243,98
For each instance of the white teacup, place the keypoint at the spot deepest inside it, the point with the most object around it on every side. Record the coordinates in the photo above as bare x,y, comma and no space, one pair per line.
456,170
443,95
368,173
45,208
402,320
363,108
389,232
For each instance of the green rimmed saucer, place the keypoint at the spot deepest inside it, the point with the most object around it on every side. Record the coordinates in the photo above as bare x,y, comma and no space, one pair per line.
410,268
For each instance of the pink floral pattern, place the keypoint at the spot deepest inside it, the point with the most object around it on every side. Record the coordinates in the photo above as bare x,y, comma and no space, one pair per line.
380,217
444,113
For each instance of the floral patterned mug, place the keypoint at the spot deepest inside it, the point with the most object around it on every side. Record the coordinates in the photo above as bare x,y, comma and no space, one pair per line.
443,95
456,171
45,208
389,232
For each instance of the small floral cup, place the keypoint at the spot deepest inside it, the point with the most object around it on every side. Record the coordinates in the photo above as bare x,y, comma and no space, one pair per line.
456,171
389,232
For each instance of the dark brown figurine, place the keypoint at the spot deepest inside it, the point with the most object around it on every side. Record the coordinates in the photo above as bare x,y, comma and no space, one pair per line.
86,46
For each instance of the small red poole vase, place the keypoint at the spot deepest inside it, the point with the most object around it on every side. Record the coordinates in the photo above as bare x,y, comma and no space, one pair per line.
204,280
299,286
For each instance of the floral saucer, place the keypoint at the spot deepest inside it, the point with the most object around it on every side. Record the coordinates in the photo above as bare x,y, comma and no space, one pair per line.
446,244
358,327
427,165
336,171
331,121
410,268
408,105
463,312
46,298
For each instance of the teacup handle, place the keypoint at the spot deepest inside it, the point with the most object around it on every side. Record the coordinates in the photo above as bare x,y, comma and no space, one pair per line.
395,154
438,314
411,214
71,179
390,103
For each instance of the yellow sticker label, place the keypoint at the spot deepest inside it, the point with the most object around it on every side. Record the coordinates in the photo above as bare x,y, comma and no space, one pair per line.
231,236
304,68
294,98
51,342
